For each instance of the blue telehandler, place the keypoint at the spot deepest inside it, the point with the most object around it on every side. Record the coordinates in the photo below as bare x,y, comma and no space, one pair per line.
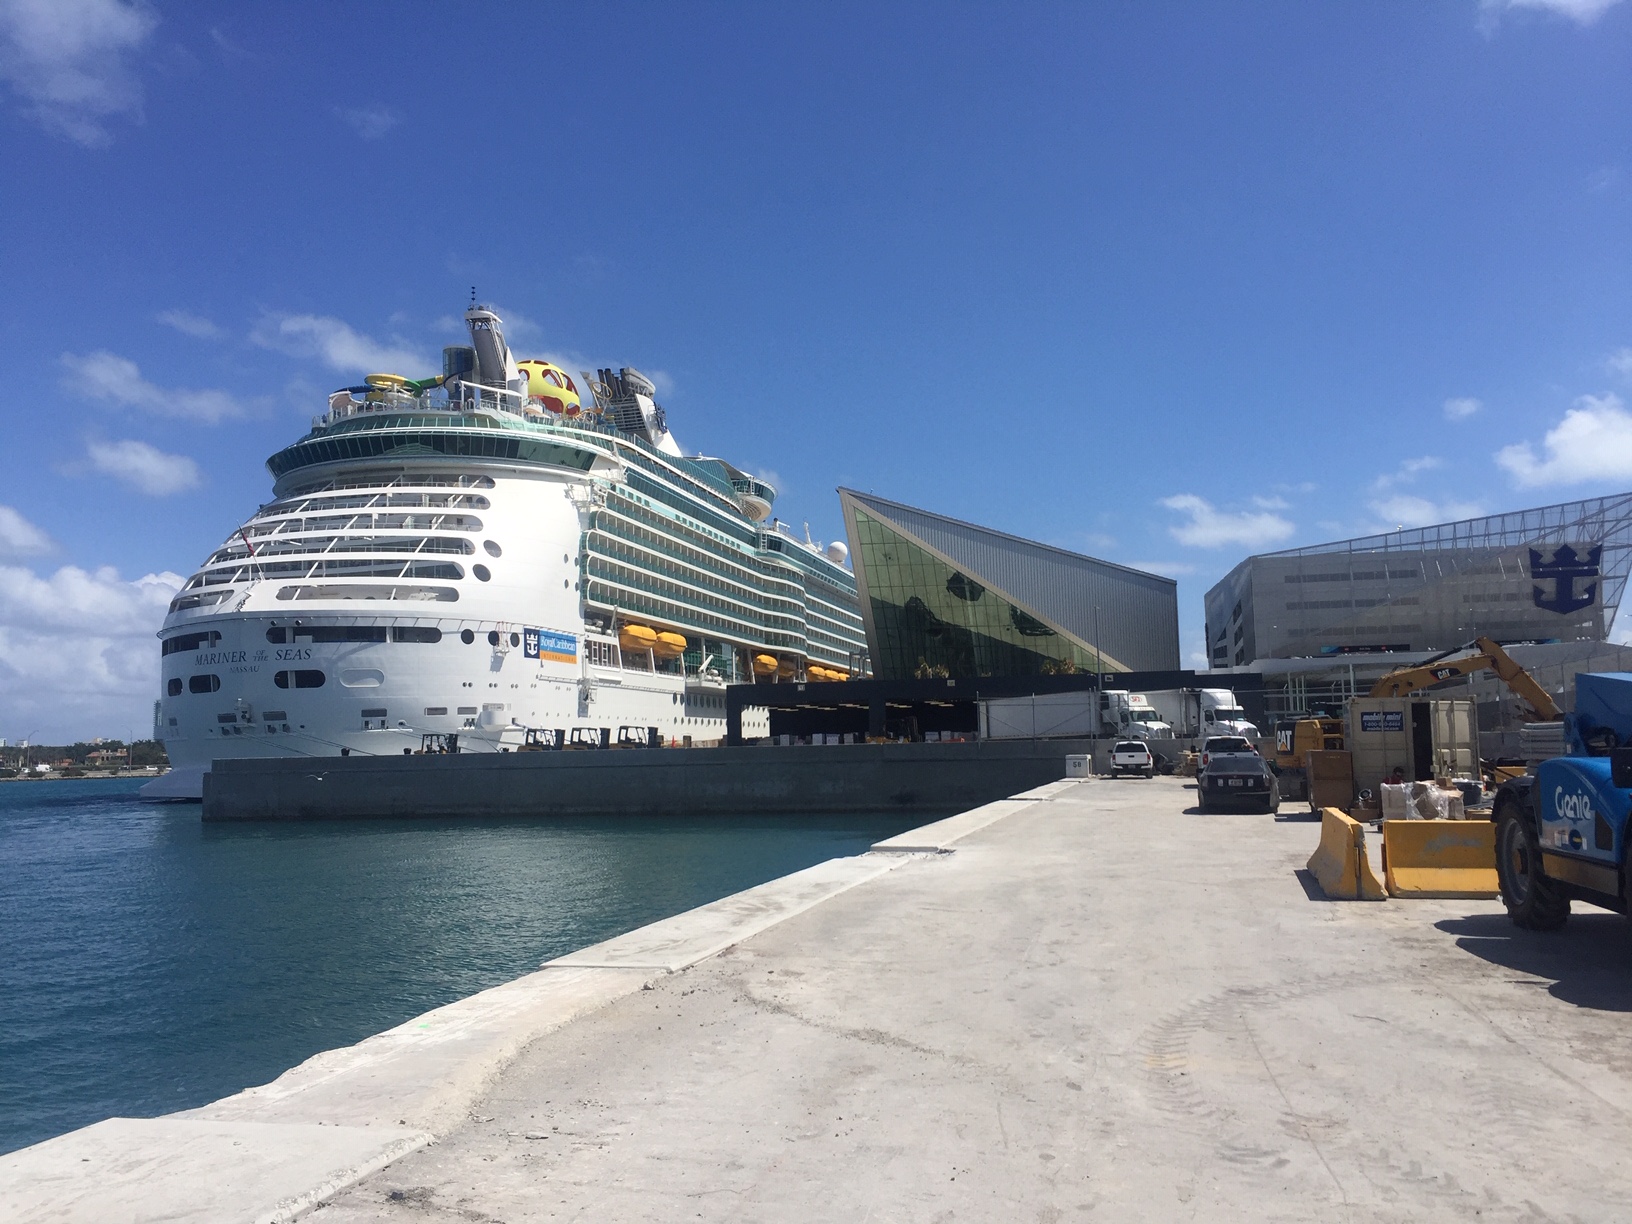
1561,833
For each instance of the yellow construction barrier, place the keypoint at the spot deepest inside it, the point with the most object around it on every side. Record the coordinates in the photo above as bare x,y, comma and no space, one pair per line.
1440,858
1340,862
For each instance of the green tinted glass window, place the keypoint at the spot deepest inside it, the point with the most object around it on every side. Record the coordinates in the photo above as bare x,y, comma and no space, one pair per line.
933,621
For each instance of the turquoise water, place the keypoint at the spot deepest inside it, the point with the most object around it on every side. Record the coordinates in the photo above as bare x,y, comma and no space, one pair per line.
150,962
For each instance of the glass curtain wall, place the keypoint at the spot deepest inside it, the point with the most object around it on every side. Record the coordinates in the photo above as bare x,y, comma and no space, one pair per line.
933,621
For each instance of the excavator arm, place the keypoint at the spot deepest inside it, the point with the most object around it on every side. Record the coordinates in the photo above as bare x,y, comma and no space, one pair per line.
1520,681
1489,657
1410,679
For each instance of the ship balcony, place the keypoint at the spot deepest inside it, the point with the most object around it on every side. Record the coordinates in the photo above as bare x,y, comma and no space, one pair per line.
755,496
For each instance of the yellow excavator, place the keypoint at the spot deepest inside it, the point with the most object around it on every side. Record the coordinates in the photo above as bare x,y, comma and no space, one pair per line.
1295,737
1486,656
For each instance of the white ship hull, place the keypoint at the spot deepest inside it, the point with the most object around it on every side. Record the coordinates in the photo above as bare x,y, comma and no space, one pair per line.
471,570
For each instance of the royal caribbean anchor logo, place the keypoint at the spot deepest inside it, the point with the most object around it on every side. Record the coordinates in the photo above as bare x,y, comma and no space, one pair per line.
1565,569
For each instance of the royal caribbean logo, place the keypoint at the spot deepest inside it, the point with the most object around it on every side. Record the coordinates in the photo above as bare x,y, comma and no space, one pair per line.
1566,568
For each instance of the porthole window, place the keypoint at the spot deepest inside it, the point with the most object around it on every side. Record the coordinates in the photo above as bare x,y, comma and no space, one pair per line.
299,679
493,550
565,584
482,572
174,687
204,684
493,637
515,639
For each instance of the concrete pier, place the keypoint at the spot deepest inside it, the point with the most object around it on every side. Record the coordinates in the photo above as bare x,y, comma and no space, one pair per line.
1085,1002
761,781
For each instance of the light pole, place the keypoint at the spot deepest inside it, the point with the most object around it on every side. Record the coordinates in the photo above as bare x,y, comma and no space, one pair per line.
1099,661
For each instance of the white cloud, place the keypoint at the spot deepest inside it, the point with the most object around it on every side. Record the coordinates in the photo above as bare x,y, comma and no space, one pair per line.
1271,503
19,537
1404,510
1620,362
1167,569
515,323
1408,471
338,346
1592,442
144,468
370,122
68,61
78,655
108,377
190,324
1582,12
1460,408
1212,528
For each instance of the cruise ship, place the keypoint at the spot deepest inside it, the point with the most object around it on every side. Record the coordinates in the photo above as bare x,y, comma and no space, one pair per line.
493,559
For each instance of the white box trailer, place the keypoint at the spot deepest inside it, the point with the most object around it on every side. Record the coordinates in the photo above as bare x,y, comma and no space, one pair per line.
1041,716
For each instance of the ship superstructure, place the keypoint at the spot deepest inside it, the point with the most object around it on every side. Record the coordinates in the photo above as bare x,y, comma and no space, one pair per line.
494,559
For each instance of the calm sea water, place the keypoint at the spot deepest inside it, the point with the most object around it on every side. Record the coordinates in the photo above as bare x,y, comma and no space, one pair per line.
150,962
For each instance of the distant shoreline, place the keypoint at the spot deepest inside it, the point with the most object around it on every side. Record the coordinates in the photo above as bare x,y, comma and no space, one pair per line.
99,776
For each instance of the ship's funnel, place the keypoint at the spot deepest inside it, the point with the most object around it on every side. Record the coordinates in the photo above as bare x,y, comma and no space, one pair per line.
495,367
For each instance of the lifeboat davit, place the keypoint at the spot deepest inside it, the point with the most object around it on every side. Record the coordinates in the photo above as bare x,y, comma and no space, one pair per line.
764,665
669,646
637,637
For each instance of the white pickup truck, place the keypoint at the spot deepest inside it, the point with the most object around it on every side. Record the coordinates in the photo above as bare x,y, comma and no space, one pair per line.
1132,756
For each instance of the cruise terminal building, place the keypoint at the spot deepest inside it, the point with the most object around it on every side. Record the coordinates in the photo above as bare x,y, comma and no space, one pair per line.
956,614
1322,622
941,598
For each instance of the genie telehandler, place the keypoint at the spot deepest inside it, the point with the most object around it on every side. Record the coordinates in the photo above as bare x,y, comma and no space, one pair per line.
1561,833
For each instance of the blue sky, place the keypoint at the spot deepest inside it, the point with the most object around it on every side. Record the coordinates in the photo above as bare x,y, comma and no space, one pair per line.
1164,283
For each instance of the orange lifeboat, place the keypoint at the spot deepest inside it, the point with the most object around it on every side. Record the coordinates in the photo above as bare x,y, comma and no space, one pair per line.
669,645
764,665
637,637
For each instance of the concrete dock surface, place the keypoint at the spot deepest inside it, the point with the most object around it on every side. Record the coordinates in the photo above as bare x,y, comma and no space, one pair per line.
1092,1003
1103,1005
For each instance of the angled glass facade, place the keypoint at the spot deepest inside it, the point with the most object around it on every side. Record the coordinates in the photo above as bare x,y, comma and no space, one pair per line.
1551,574
938,600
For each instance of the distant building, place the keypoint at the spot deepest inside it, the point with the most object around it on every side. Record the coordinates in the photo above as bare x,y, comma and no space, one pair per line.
1323,623
940,597
1554,574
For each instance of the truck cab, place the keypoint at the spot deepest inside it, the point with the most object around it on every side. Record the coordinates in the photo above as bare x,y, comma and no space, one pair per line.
1131,716
1221,714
